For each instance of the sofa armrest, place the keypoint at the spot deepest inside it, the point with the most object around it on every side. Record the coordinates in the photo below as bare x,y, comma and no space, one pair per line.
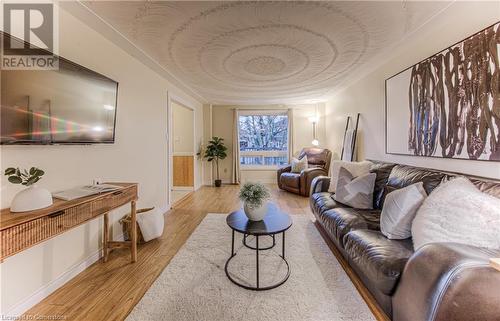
306,178
281,170
448,281
320,184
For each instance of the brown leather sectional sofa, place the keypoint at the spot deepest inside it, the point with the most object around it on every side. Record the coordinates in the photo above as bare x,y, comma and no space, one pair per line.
441,281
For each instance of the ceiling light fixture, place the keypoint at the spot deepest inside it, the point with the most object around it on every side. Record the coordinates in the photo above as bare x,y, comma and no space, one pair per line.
314,120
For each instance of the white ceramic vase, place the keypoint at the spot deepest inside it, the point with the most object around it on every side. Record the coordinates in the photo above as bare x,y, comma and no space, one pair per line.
255,213
31,198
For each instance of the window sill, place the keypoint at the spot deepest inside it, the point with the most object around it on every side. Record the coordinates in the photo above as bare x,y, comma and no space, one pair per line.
258,168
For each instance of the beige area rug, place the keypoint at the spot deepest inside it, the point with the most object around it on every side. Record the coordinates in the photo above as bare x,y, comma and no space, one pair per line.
194,286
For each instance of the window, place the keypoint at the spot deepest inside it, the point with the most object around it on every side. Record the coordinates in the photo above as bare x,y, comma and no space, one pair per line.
263,139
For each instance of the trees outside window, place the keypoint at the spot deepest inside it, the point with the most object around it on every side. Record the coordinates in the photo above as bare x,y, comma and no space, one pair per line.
263,140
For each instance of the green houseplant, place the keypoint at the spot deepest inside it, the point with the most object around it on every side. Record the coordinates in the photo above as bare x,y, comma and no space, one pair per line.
31,198
254,197
215,151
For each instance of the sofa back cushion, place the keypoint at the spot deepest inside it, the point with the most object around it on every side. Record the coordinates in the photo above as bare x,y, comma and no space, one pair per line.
394,176
382,170
404,175
484,185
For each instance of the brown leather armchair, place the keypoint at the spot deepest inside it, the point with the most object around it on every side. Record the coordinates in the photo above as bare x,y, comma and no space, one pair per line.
300,183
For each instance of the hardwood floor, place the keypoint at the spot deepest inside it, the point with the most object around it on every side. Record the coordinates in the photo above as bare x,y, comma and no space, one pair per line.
109,291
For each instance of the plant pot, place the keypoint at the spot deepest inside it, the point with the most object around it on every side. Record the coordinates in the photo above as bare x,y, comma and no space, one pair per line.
218,183
255,213
31,198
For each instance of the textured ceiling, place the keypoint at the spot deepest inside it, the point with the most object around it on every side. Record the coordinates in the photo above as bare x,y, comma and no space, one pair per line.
264,52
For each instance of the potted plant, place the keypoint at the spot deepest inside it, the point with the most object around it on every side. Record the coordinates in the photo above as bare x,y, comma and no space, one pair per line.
254,197
216,151
31,198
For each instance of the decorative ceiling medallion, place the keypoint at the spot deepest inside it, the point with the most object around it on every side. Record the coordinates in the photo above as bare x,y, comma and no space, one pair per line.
263,51
297,61
320,49
264,65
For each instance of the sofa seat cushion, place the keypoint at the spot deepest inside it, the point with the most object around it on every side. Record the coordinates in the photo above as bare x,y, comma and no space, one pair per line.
291,180
380,260
324,202
342,220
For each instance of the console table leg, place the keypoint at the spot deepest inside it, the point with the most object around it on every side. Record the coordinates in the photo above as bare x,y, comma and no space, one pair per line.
133,216
105,238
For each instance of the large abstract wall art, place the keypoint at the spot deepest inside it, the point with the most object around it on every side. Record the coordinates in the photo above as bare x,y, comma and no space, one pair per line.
448,105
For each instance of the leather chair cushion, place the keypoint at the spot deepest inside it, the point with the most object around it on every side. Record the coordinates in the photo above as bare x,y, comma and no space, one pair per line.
316,157
403,175
342,220
380,260
324,202
291,180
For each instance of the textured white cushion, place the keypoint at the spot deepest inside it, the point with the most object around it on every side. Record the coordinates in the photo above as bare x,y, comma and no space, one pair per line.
400,208
356,192
355,168
298,165
456,211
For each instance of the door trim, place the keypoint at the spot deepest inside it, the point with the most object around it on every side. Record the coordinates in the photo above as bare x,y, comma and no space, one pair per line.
178,100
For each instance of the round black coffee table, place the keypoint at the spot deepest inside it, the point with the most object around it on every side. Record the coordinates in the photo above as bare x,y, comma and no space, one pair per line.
274,222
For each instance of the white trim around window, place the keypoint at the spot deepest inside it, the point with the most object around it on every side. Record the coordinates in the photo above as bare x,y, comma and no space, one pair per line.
264,153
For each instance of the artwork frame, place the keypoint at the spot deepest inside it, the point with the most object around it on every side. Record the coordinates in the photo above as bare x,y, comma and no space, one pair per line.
441,101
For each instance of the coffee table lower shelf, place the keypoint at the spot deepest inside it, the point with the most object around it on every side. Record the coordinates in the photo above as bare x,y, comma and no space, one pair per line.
257,249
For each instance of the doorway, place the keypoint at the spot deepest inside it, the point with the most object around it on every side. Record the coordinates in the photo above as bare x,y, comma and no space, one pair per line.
182,151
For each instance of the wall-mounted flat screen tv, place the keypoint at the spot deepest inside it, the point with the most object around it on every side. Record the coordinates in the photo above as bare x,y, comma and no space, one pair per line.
72,105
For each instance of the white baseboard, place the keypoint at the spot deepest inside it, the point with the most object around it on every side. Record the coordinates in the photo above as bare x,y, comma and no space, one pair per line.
55,284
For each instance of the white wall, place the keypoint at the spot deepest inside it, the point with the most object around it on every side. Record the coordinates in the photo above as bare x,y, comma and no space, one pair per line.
183,129
366,95
138,155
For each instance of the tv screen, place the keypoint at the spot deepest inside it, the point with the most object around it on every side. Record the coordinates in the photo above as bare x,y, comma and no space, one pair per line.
72,105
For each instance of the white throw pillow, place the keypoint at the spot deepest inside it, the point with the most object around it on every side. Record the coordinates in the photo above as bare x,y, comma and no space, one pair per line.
298,165
456,211
356,192
400,208
355,168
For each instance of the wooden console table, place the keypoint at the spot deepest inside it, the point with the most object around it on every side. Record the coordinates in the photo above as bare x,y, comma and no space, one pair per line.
20,231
